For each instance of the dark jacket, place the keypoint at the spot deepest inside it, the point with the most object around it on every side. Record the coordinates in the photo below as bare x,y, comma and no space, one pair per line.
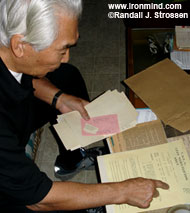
21,182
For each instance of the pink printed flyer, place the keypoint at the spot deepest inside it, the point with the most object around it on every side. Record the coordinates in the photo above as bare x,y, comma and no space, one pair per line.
100,125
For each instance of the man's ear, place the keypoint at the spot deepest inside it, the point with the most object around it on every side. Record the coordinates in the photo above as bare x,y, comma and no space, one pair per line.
17,45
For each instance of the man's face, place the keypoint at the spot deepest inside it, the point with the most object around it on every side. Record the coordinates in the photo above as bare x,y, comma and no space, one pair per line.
40,63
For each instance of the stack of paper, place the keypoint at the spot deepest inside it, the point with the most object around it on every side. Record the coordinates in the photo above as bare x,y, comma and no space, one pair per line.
182,37
181,47
168,162
109,114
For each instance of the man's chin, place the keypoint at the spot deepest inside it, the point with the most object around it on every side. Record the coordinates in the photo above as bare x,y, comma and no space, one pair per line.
39,76
44,74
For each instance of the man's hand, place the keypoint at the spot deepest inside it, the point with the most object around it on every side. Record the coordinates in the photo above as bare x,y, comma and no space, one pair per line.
67,103
140,191
45,91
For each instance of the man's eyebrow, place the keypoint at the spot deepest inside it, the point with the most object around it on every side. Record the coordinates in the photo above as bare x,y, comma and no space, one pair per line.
69,45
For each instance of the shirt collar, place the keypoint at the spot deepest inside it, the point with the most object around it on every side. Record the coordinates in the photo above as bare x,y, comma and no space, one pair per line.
17,75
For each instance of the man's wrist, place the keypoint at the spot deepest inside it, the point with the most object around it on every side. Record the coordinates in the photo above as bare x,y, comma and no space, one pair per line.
55,98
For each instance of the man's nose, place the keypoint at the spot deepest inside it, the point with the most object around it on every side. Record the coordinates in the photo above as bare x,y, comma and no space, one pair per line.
65,57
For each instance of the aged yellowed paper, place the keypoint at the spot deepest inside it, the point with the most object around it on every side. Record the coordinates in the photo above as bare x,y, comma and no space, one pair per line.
186,141
141,136
168,162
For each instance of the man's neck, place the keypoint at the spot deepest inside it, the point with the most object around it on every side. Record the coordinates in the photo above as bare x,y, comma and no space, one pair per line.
8,58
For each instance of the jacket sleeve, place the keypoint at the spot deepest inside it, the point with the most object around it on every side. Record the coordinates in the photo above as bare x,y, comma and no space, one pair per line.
21,182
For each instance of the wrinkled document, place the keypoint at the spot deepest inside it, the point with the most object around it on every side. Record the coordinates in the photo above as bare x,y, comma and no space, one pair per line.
110,114
168,162
142,135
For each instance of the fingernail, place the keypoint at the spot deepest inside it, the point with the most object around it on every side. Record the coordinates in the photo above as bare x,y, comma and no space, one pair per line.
87,118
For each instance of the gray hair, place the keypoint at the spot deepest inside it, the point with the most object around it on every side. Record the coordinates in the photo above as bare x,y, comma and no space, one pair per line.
36,20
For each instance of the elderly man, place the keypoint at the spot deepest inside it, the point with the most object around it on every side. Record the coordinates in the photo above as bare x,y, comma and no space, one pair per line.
35,37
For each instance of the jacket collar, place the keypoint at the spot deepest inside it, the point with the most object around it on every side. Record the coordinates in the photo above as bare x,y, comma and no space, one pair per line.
10,89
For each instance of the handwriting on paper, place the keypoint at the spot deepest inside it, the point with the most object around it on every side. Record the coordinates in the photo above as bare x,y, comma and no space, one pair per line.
100,125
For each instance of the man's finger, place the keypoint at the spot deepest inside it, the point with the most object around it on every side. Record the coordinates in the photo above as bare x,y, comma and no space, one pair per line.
156,193
160,184
83,111
84,102
85,115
